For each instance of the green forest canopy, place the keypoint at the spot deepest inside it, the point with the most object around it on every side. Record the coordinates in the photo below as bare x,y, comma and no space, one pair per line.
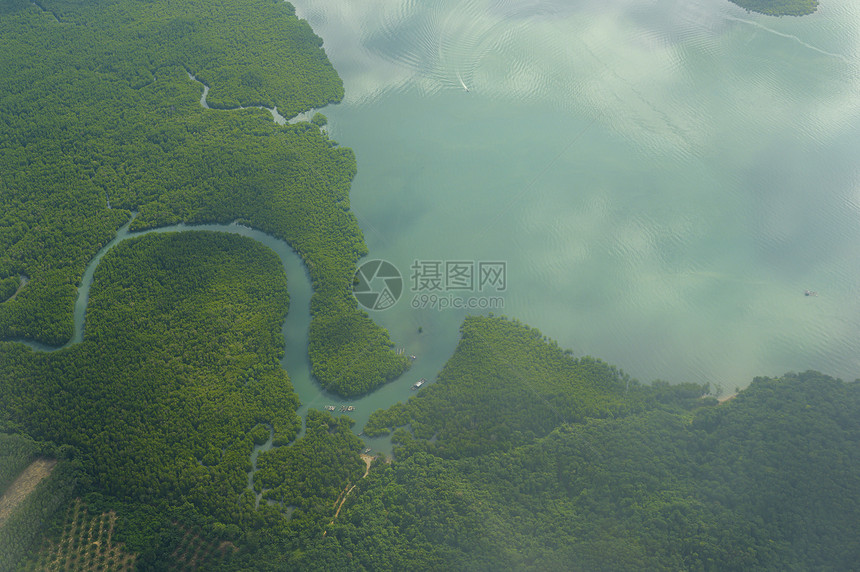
100,118
630,477
779,7
175,382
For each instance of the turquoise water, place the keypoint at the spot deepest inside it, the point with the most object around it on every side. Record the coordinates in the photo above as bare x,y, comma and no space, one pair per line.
663,180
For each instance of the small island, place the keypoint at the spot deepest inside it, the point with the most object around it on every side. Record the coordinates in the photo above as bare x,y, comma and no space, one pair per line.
779,7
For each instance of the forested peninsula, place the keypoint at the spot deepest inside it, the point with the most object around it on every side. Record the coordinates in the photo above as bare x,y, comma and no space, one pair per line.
168,439
525,457
779,7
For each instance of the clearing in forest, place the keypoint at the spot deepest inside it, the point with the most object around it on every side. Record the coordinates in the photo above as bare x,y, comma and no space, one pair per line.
25,484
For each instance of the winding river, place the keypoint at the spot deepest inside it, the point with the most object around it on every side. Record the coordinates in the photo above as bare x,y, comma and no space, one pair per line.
295,329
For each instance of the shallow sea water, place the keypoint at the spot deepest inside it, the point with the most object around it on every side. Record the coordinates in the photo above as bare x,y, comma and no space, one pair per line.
662,180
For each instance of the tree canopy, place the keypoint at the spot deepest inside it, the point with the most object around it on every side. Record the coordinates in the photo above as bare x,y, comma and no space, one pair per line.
100,118
767,481
779,7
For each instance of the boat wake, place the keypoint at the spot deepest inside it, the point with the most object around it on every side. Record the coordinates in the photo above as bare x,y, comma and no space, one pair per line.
462,82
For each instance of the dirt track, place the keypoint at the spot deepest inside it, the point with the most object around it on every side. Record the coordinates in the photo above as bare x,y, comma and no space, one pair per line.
368,459
23,486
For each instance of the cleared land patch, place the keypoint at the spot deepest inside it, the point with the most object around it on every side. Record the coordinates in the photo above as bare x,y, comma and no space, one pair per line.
24,485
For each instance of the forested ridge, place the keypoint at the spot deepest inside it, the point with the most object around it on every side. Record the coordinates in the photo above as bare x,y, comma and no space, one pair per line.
100,118
508,384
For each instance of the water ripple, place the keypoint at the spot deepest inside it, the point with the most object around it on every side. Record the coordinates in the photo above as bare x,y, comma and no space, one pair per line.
713,184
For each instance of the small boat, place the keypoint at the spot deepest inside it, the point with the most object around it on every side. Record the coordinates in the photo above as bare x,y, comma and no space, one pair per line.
810,293
419,383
